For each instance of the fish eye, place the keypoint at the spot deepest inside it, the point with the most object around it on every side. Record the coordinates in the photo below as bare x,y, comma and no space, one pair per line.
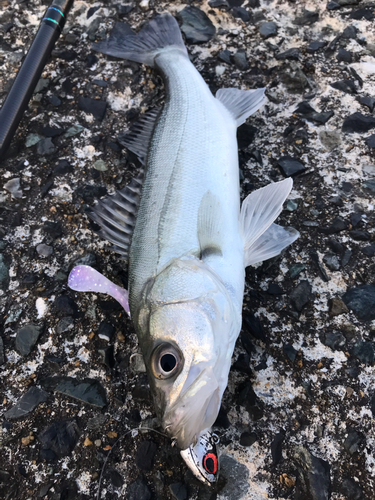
210,463
166,361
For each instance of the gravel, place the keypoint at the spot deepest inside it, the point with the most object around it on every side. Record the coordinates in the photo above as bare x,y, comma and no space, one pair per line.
303,367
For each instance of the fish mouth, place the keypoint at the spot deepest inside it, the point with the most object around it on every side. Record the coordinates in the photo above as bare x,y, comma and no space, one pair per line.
196,408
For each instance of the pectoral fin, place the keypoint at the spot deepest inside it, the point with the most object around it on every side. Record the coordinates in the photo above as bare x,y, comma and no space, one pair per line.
270,244
258,212
209,230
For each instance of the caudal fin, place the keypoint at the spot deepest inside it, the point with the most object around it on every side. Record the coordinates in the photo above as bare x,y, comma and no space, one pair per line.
161,32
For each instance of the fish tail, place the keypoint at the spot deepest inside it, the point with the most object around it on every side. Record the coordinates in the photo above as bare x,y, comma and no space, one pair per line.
161,32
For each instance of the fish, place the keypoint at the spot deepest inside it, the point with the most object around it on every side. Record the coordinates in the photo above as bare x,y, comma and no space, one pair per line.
186,237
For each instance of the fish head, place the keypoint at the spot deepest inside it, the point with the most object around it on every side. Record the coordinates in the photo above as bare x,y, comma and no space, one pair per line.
202,458
188,358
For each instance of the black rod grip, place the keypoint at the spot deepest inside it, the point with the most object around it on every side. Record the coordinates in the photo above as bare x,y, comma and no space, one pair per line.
30,71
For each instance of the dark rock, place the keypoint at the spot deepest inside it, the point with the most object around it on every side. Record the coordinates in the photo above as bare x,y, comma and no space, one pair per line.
2,355
253,326
55,362
66,323
275,289
346,257
196,25
369,251
372,405
344,56
87,390
27,403
277,448
45,489
54,100
89,193
66,305
295,270
350,32
106,331
107,356
313,482
144,457
225,56
218,3
124,9
94,106
332,262
347,86
268,29
4,274
248,438
241,13
51,131
54,229
370,141
359,235
301,295
315,46
308,17
351,490
293,53
335,340
178,491
309,113
63,168
240,60
245,135
60,437
242,364
290,166
222,419
115,478
364,13
361,300
367,101
357,123
353,442
48,455
336,246
290,352
356,219
333,6
229,469
46,147
337,226
138,490
364,351
27,337
249,400
336,307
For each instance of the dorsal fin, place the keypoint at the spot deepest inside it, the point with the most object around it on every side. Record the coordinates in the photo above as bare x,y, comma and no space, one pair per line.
116,216
241,103
139,137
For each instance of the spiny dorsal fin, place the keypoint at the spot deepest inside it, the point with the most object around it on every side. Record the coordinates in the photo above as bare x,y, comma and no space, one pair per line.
116,216
241,103
209,228
139,137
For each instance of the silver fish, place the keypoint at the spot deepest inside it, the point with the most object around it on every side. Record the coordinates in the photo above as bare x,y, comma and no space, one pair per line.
187,239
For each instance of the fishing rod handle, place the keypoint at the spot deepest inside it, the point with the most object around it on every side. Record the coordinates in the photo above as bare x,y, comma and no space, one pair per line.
30,71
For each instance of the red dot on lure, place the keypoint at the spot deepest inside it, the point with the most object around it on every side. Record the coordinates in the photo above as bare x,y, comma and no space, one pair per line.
210,463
